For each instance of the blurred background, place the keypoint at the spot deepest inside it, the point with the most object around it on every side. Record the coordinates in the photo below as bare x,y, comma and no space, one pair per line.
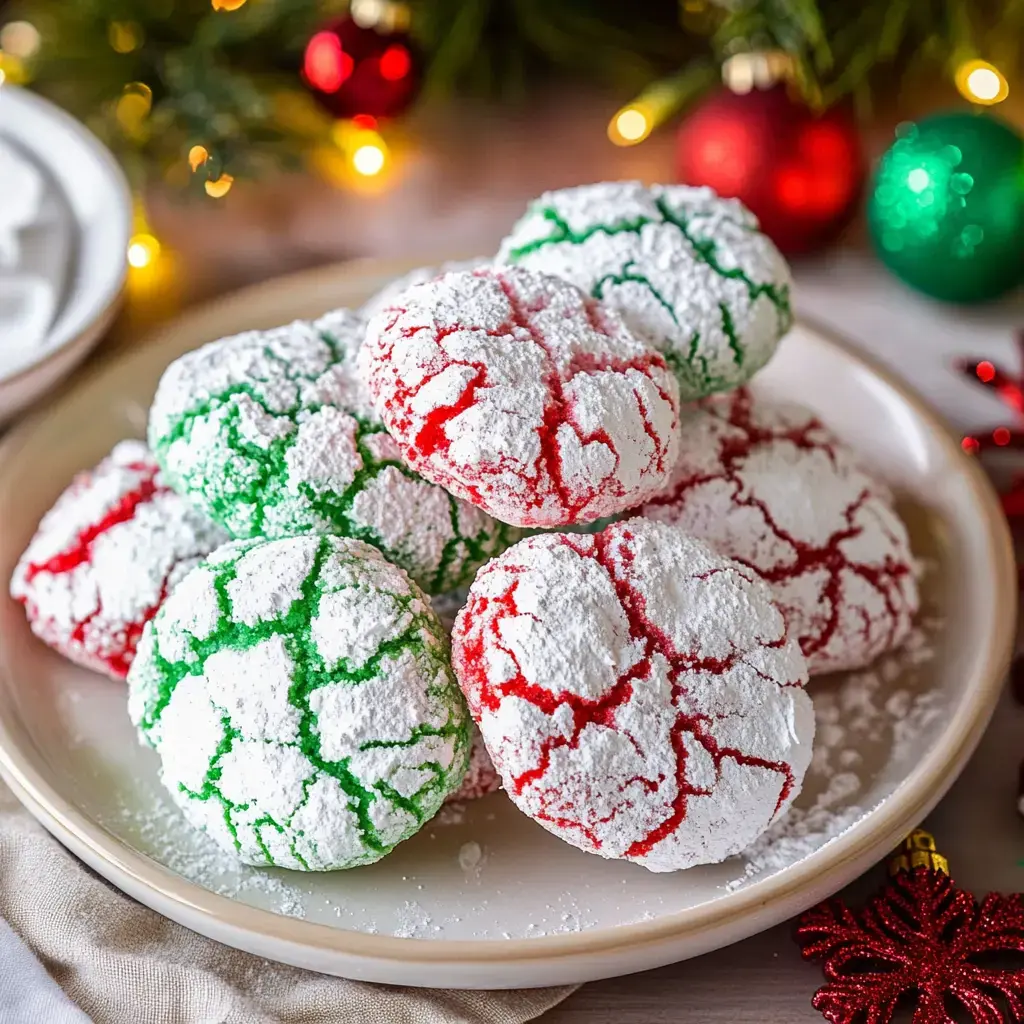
262,136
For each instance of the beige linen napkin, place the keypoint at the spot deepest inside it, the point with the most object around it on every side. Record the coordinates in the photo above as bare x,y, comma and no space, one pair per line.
121,962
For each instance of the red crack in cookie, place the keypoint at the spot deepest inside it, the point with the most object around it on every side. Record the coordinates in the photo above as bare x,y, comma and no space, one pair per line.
105,557
637,692
515,391
767,484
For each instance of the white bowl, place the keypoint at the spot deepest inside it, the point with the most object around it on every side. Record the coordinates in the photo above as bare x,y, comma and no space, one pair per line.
531,911
91,185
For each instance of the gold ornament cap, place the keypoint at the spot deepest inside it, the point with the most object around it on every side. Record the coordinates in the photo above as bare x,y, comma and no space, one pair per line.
917,851
760,69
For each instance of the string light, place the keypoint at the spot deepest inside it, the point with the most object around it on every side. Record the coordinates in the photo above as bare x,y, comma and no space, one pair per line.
133,107
20,38
124,36
197,156
357,156
143,250
220,186
12,69
632,123
369,158
630,126
982,83
226,5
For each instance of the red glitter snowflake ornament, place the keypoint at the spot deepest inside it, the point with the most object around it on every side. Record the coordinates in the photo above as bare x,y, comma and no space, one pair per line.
921,942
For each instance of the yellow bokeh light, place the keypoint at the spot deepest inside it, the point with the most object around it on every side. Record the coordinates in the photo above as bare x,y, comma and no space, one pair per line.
133,107
13,69
982,83
197,156
142,250
124,36
226,5
220,187
369,159
629,126
20,38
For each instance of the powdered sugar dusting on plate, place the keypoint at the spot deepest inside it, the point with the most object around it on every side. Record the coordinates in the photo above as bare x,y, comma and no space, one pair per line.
859,717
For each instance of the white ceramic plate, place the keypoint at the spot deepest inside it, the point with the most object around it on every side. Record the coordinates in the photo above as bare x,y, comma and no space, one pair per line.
486,898
84,181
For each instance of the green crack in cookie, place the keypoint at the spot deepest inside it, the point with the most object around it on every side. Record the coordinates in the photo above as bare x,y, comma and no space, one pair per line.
270,433
686,269
300,696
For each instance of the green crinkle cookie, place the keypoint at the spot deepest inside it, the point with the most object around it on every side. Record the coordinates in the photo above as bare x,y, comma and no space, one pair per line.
300,696
685,269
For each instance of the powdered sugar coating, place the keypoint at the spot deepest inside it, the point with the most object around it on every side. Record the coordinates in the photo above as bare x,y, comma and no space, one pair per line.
272,434
516,392
105,557
768,485
637,692
685,269
421,275
482,777
300,697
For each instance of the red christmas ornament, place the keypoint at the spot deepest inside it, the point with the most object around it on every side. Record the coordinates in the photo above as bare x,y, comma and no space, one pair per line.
355,69
920,942
801,173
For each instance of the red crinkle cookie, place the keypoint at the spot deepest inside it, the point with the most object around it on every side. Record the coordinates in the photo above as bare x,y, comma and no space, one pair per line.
765,483
637,692
517,392
106,556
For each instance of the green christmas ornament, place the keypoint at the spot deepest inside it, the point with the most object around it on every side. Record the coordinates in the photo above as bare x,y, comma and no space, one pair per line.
946,213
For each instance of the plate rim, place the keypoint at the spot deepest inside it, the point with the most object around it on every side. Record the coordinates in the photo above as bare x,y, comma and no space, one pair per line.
102,311
919,791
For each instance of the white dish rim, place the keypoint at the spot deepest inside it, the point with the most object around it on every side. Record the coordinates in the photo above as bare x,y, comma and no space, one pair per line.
100,312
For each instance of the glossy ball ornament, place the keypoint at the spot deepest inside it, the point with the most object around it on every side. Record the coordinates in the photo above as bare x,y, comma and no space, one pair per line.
354,69
946,212
801,173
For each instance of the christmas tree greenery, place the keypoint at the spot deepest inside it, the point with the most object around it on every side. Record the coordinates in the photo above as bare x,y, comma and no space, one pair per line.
198,90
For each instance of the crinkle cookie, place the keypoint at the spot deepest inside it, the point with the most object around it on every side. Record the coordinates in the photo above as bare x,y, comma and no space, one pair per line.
516,392
105,557
637,692
301,700
421,275
481,777
767,484
685,269
271,434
